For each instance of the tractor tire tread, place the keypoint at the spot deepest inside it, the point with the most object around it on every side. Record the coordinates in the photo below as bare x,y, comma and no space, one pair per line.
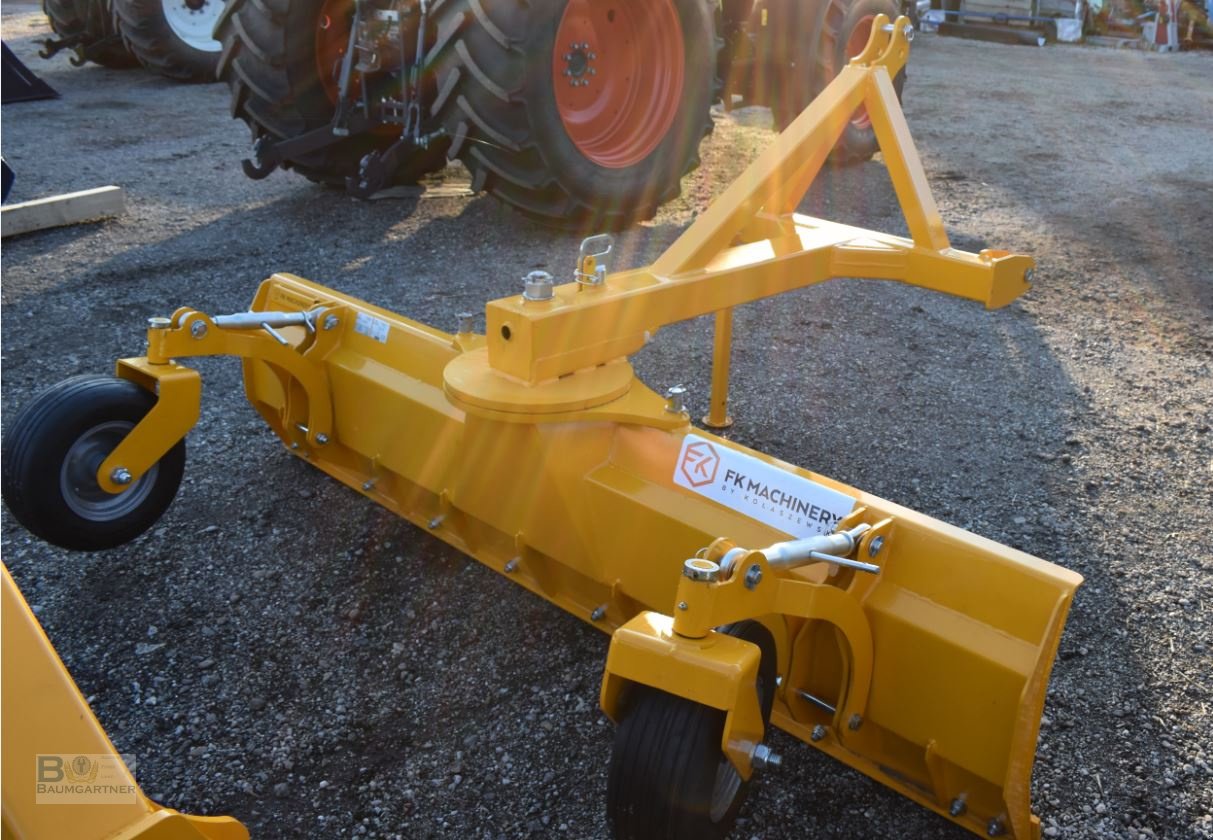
148,36
481,104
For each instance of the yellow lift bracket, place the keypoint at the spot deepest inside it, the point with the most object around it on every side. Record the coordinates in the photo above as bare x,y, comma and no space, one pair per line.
764,593
62,776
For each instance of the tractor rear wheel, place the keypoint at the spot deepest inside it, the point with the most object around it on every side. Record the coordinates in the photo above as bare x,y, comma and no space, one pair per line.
92,23
578,113
171,37
281,60
823,49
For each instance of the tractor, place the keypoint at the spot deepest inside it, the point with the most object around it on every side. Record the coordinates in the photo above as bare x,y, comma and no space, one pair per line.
581,114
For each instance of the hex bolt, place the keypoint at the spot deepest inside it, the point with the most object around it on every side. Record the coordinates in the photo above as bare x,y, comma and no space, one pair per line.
572,83
330,321
753,576
958,807
875,546
121,475
682,605
511,566
765,758
465,322
591,56
593,72
994,828
1029,275
198,329
322,439
368,484
435,522
675,399
818,733
598,613
537,286
568,57
159,323
855,722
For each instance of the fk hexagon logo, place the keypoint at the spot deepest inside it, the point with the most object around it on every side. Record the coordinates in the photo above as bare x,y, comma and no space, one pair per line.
699,463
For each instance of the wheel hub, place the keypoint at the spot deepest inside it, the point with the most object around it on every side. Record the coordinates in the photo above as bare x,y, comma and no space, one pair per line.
578,64
78,476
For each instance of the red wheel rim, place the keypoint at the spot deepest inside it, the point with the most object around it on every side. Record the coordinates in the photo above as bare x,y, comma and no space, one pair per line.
857,40
617,74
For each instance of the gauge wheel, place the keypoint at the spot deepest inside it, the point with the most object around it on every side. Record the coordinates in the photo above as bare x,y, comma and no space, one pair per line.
669,779
51,453
171,37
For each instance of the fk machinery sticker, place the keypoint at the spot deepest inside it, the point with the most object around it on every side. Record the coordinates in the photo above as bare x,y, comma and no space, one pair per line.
754,488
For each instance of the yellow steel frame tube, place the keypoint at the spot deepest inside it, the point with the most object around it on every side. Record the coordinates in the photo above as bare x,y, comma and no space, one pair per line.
935,667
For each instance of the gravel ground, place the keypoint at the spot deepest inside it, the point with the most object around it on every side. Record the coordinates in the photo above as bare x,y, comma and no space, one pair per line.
281,650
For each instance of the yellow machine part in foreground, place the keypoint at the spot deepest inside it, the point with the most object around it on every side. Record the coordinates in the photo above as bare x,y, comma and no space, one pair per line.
536,450
44,714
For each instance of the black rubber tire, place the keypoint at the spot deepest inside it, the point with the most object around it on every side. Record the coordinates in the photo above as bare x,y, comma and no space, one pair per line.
93,21
149,37
496,102
36,449
268,61
823,43
668,778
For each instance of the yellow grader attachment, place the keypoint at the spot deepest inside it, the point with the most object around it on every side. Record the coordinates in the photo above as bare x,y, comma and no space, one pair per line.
742,592
62,776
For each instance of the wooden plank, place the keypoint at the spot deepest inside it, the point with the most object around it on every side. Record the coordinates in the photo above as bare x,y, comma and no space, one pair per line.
58,210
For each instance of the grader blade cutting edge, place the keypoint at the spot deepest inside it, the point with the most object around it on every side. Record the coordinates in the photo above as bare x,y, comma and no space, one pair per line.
742,592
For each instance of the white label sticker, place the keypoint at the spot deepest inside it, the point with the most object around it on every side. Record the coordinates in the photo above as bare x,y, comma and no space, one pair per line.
369,325
752,487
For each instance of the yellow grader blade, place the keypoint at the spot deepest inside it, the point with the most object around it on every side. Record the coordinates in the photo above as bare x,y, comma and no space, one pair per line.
741,591
62,776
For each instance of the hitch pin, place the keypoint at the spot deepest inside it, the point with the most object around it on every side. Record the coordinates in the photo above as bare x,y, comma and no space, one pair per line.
829,548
